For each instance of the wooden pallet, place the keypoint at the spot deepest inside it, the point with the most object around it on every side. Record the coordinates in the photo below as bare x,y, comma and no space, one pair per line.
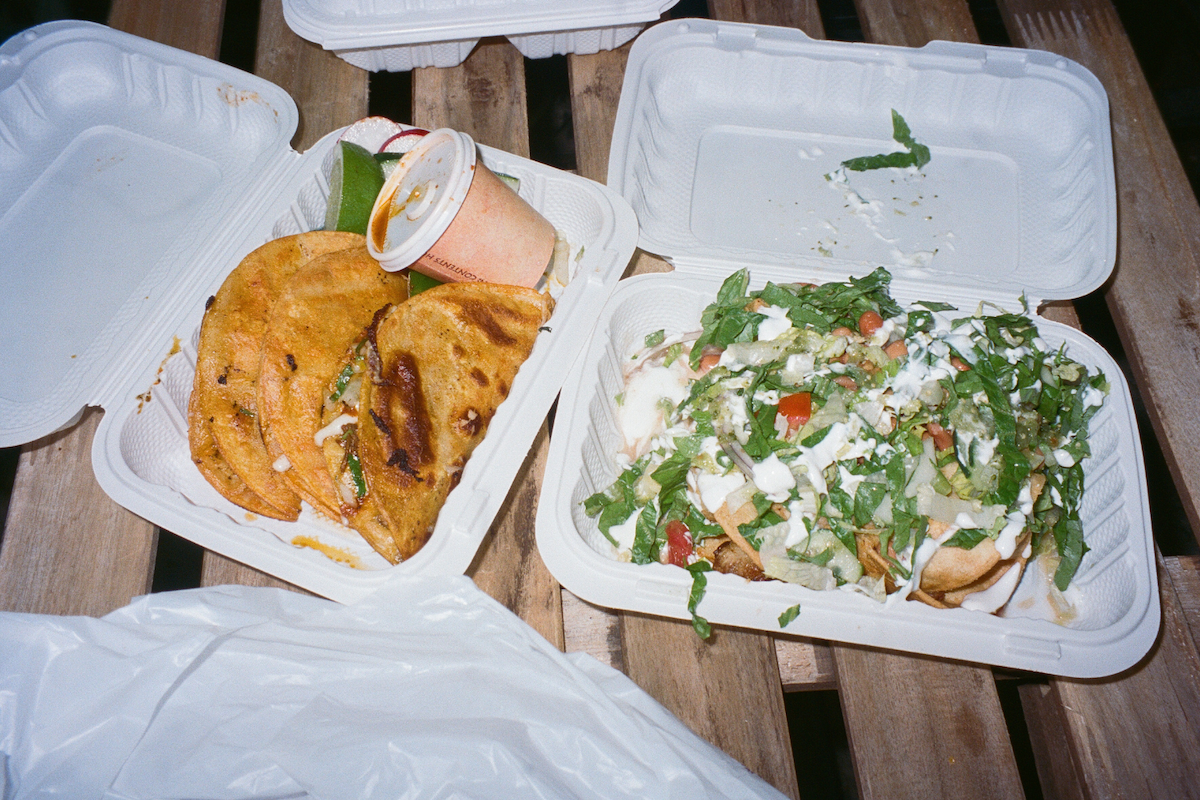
918,727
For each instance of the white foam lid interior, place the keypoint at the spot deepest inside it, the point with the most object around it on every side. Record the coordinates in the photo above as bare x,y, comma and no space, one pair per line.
119,159
725,132
349,24
723,136
167,169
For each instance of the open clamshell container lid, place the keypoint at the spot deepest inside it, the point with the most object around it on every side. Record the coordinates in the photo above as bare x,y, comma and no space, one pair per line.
133,178
728,142
399,35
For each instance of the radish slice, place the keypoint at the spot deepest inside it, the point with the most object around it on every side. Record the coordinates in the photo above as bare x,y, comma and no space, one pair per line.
372,132
402,141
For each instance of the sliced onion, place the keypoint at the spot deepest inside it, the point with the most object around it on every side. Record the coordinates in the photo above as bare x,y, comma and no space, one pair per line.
739,456
403,141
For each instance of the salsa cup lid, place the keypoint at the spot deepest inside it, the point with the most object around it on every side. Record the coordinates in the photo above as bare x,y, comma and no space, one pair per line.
420,198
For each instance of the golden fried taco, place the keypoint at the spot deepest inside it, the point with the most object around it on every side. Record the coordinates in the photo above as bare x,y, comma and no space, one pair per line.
223,425
322,313
439,365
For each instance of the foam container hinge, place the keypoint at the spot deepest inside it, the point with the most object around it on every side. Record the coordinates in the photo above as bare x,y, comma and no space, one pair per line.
400,35
171,168
722,142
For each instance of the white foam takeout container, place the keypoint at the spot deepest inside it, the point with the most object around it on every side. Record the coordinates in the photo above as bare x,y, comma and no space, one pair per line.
398,35
723,137
133,178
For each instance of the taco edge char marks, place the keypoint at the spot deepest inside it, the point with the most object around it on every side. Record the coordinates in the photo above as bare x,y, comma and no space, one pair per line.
439,365
319,379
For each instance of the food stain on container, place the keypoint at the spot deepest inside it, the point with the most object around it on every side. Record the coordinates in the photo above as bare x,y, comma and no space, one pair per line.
338,554
446,215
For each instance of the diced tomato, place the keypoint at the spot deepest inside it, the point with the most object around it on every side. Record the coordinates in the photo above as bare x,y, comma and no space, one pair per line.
798,406
679,543
796,409
869,322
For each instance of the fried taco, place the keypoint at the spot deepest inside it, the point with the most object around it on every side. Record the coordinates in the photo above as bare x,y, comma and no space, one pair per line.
438,366
223,425
307,384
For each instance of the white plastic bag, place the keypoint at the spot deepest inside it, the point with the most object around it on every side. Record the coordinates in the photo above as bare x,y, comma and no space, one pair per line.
427,688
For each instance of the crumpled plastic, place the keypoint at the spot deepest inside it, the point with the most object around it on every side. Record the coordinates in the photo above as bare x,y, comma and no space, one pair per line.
427,688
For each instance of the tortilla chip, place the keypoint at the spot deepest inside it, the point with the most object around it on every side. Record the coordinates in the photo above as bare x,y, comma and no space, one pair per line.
440,365
952,567
956,572
319,317
955,597
224,394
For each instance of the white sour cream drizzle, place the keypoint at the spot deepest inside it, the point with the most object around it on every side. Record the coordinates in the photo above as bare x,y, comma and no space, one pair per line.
652,390
334,428
992,598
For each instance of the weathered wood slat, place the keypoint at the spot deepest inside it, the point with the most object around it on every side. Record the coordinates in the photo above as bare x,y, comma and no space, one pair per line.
916,24
802,14
485,97
726,689
68,548
1137,734
188,26
328,91
923,727
1154,295
1185,575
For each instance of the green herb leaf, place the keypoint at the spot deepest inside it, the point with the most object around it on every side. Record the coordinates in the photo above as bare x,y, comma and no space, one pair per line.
917,154
966,538
1068,536
788,615
699,585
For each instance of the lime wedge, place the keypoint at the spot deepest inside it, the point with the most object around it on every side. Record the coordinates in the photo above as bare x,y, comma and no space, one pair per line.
419,282
510,181
354,183
388,162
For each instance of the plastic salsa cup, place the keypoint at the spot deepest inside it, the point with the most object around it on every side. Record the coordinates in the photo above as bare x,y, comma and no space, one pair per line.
443,213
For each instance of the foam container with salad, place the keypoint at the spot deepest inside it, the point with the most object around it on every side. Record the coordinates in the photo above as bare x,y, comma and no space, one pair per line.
840,416
399,35
135,177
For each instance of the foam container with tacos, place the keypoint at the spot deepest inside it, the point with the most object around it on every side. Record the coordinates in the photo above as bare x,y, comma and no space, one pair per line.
723,140
399,35
133,178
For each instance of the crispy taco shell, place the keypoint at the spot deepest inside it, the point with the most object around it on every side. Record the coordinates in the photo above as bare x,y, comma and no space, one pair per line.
223,409
440,365
317,320
950,575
